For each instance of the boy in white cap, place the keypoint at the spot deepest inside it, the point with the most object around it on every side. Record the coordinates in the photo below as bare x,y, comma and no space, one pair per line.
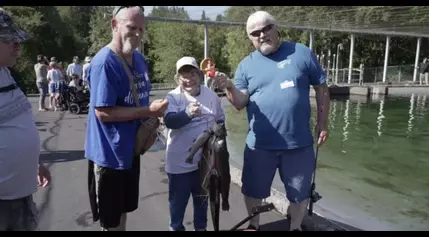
192,108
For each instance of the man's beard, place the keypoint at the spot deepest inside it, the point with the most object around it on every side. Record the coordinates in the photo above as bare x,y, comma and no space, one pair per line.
267,49
128,47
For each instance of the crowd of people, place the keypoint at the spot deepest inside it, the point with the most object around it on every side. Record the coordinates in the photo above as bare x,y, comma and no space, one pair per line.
51,78
272,83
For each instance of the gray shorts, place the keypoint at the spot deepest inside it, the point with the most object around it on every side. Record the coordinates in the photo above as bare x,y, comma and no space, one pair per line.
18,215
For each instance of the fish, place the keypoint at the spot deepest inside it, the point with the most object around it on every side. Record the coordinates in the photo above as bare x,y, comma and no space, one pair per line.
214,170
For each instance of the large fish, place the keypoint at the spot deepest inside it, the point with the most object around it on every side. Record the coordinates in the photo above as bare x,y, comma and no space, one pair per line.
214,168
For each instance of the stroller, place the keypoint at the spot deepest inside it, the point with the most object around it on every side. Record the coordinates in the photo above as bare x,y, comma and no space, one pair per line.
78,100
73,99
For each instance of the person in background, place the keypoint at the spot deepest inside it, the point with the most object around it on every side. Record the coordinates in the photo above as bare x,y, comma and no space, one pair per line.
85,70
76,82
192,109
424,71
273,84
21,171
41,71
56,81
74,68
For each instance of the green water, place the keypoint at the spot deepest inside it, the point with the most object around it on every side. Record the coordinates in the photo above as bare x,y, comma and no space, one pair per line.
373,171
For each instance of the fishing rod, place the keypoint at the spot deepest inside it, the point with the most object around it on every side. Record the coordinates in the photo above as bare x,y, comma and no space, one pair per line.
315,196
255,211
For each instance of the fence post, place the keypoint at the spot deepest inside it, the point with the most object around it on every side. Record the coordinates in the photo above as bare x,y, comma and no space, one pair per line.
206,48
386,58
352,45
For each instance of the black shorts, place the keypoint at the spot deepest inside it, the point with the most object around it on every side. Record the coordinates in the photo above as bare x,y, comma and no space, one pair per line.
113,192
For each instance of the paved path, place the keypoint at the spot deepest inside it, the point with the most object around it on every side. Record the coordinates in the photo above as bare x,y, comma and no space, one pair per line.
64,205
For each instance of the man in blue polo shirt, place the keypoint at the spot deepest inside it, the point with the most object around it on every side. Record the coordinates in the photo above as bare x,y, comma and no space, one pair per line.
273,84
113,120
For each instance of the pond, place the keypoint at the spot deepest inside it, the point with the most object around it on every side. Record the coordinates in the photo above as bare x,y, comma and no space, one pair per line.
373,172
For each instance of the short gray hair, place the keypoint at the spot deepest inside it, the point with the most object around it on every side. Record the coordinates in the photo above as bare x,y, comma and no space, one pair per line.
259,16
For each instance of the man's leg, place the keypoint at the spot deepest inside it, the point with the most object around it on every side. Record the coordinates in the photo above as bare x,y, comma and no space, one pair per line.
41,96
18,215
427,78
179,190
259,168
110,190
296,172
200,202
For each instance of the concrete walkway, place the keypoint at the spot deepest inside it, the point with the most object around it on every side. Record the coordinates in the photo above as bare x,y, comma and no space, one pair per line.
64,205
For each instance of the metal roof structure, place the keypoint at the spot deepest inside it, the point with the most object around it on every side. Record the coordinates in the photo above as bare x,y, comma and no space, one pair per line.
406,21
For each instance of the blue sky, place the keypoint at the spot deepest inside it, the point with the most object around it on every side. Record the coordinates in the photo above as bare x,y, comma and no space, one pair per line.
195,11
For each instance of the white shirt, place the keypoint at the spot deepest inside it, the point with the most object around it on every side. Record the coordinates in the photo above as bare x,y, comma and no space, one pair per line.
18,166
55,75
180,140
85,72
74,69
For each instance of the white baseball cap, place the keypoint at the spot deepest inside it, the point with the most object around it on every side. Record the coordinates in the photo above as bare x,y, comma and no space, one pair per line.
186,61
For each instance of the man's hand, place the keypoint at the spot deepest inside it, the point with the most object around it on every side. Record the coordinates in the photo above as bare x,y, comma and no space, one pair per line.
221,81
193,109
322,135
43,176
158,107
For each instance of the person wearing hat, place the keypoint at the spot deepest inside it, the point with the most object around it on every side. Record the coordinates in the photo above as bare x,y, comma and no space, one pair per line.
74,68
273,84
85,70
192,108
20,170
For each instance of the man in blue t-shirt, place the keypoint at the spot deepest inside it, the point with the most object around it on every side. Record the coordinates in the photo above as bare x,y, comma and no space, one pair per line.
273,84
113,120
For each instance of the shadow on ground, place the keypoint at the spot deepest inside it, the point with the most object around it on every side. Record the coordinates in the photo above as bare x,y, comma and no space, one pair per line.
314,223
61,156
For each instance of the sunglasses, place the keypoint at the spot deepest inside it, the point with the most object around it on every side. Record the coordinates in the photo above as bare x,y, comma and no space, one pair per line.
122,7
266,29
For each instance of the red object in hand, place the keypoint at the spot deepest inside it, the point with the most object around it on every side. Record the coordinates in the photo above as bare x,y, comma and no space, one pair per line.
212,71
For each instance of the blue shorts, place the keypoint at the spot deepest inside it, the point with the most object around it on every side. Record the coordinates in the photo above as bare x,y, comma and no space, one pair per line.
56,87
295,166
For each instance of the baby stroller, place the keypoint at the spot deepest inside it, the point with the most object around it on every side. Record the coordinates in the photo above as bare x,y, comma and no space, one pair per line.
78,100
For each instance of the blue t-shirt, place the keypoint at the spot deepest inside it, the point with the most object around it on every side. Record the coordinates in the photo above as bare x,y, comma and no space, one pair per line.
279,96
111,144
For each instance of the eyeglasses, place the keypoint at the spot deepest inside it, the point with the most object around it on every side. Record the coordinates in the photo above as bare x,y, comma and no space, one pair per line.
266,29
122,7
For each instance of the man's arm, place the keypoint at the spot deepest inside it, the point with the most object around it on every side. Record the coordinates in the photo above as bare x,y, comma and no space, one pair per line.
323,103
238,98
238,94
318,80
105,95
121,113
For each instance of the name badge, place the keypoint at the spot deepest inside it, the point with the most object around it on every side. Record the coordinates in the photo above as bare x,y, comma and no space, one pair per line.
287,84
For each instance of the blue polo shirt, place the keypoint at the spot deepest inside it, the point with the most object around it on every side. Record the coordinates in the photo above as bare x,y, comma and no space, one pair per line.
279,109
